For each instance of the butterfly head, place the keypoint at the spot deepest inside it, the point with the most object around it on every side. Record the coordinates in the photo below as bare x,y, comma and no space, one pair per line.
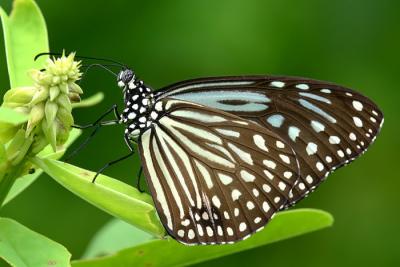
124,77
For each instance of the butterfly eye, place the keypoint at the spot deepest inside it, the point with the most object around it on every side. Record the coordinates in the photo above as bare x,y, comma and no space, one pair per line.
124,77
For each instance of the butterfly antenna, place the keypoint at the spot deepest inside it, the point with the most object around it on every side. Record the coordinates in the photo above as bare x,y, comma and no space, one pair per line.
81,57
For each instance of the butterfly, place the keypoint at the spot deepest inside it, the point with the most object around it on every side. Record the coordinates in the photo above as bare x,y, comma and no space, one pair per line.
222,155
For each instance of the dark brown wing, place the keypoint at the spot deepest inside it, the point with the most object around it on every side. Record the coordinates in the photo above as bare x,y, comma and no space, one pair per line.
327,125
215,178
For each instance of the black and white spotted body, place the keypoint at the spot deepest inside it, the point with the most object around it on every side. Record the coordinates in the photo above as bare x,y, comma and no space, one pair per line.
138,99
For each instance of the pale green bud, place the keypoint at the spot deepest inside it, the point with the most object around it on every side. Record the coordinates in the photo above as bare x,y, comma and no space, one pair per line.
48,104
41,95
19,96
65,117
39,144
64,101
54,92
75,88
50,131
51,111
64,88
36,115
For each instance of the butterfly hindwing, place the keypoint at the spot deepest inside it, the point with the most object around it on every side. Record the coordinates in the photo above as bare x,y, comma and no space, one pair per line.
214,177
327,125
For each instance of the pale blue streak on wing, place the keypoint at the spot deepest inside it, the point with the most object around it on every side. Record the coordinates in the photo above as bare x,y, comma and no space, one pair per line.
317,110
255,101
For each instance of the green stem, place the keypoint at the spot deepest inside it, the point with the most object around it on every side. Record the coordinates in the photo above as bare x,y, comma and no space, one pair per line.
11,174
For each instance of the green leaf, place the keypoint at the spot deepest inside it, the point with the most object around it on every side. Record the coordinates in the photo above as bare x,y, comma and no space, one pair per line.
115,197
22,247
168,252
23,182
90,101
8,115
25,35
114,236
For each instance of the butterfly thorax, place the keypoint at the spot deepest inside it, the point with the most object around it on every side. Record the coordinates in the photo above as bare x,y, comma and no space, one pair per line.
138,100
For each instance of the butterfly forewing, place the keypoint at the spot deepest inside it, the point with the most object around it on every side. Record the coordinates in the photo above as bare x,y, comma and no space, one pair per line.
327,125
214,177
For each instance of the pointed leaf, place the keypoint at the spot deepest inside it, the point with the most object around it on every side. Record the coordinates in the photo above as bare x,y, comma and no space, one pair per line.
22,247
114,236
168,252
117,198
25,35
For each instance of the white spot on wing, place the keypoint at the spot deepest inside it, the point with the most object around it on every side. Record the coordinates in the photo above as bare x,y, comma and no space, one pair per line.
236,194
316,97
302,86
276,120
317,110
227,132
160,196
246,176
293,133
204,173
357,105
198,116
358,122
334,140
260,142
311,148
277,84
225,179
317,126
246,157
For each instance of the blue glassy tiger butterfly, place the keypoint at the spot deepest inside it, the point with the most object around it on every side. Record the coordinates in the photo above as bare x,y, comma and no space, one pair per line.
222,155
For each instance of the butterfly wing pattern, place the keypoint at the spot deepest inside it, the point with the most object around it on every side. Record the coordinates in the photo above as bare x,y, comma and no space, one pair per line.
327,125
222,155
215,177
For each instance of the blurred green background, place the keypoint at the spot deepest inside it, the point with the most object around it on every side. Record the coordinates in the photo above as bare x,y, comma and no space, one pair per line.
354,43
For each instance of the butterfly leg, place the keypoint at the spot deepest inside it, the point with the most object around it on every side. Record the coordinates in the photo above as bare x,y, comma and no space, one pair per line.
138,180
132,151
98,123
114,109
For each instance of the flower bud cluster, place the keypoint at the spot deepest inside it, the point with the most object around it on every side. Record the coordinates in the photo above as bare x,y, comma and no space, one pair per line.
48,102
